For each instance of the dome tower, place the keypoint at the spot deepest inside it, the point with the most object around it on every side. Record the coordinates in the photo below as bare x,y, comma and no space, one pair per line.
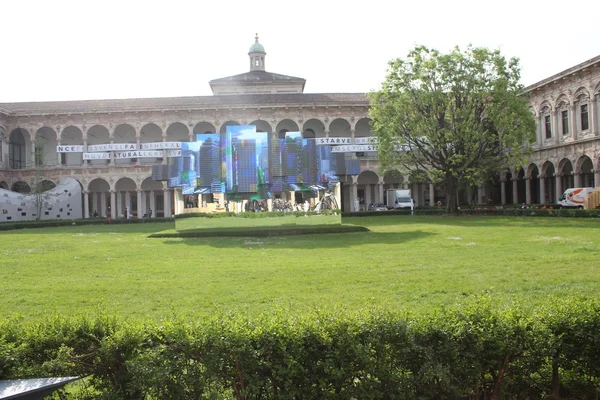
257,56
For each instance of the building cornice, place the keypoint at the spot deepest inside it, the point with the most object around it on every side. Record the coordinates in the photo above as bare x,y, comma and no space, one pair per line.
591,63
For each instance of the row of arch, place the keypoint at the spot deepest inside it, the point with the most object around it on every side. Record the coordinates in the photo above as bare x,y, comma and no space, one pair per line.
27,147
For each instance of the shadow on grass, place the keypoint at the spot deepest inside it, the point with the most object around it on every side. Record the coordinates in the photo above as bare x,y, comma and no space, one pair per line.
475,221
308,241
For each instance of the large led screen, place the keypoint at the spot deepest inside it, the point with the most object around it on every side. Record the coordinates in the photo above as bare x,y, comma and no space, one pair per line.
246,164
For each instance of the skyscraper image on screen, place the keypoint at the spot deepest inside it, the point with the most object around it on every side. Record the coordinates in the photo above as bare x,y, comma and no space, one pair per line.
247,161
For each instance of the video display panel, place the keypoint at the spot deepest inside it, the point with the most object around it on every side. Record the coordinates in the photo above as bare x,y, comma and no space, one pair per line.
198,170
246,164
246,154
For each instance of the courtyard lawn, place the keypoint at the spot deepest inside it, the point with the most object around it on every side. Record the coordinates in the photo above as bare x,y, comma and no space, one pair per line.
418,263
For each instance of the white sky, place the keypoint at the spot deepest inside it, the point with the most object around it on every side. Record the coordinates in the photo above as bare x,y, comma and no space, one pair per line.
76,50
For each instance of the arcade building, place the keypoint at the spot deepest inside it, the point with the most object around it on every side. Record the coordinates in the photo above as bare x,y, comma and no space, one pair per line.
110,147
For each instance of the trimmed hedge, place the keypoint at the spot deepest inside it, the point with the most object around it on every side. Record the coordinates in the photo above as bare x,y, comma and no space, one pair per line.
7,226
254,215
472,351
491,211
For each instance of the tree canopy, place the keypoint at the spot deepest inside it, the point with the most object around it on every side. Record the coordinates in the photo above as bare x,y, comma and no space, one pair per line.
455,118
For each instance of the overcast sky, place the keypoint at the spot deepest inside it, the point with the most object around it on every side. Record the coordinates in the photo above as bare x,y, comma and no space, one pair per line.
76,50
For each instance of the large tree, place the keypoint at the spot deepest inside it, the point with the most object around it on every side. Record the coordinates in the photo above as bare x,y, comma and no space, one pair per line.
455,118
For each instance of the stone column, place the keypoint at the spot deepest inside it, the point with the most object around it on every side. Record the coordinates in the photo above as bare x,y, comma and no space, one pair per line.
503,191
576,179
593,116
541,134
367,195
380,192
515,193
103,205
572,122
431,195
113,211
554,128
405,181
153,203
84,163
480,193
352,135
167,203
95,203
542,179
59,155
119,203
292,199
4,150
527,189
558,184
127,204
354,196
86,204
138,160
596,173
139,210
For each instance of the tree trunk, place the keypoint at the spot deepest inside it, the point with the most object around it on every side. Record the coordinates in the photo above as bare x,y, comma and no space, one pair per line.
451,188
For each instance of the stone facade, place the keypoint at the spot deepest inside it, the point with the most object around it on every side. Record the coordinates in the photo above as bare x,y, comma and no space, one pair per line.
567,150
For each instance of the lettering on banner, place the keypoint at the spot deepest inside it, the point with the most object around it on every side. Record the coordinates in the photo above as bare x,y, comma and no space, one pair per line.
112,147
173,153
353,148
160,146
333,140
366,140
138,154
96,156
69,149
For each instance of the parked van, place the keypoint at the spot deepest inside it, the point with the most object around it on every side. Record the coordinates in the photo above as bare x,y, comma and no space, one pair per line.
399,199
574,197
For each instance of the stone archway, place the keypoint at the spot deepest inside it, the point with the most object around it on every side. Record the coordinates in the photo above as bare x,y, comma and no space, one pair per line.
369,190
128,198
18,147
98,198
21,187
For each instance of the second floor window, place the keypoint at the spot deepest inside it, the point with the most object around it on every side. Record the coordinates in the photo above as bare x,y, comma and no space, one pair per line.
584,117
565,122
547,127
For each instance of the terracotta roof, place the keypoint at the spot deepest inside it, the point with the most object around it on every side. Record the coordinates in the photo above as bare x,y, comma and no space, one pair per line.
184,103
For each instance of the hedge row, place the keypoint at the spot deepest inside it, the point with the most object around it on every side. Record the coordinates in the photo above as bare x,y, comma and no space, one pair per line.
7,226
254,215
512,212
473,351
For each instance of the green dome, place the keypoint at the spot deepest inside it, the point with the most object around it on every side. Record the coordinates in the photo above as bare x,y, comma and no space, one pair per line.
256,47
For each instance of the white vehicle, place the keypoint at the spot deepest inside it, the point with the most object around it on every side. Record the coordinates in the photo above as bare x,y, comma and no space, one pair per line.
574,197
399,198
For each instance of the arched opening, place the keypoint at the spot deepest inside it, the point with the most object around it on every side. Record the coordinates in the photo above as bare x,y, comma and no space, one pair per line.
549,192
534,184
98,134
17,149
226,124
340,128
44,186
21,187
124,134
3,185
315,126
150,133
565,169
129,201
204,127
71,136
99,199
368,190
585,172
45,147
152,198
262,126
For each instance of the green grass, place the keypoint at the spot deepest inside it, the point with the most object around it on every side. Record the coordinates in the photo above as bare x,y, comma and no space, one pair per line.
418,263
198,223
